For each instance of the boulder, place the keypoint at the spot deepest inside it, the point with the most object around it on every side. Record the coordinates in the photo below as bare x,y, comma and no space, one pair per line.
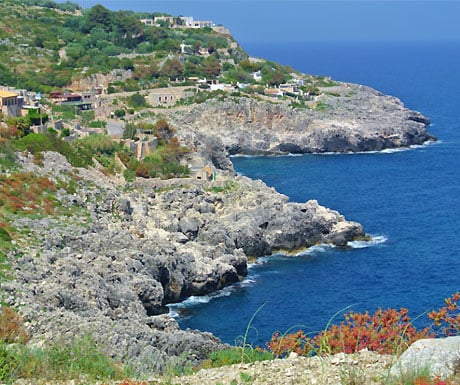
439,356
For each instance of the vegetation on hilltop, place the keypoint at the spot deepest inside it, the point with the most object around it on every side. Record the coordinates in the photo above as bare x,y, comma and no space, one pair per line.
46,45
50,44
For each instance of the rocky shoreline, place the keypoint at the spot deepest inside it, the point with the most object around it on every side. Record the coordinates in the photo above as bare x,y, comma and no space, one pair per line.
129,249
344,118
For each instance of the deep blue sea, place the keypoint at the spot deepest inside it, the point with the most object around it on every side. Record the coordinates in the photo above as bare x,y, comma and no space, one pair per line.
409,201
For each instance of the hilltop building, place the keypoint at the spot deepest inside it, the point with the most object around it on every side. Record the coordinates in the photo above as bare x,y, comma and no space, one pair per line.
11,103
190,23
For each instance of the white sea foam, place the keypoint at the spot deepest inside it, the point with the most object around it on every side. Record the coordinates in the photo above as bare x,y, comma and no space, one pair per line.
321,248
247,282
375,240
243,156
385,151
173,312
194,300
266,155
394,150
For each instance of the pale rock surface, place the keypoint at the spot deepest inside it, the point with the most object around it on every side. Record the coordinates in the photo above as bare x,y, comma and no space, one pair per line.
438,355
356,118
127,251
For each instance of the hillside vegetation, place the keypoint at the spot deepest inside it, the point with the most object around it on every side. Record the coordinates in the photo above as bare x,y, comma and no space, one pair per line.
47,45
61,215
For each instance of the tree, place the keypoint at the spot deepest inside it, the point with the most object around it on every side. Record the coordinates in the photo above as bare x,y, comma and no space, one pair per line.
36,118
212,67
156,34
248,66
98,33
172,69
65,132
163,131
75,51
130,131
275,77
168,44
19,126
192,69
87,117
119,113
196,46
179,21
137,100
129,29
98,16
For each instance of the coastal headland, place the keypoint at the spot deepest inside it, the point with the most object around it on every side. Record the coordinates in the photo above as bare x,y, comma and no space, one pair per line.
122,250
130,249
345,118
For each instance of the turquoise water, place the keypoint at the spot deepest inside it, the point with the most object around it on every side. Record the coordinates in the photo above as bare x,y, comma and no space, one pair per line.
408,200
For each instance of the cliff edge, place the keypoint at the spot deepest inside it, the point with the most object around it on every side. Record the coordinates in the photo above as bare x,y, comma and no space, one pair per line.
344,118
110,269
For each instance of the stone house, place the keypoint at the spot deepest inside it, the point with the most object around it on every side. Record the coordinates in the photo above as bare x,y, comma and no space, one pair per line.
206,173
273,92
11,103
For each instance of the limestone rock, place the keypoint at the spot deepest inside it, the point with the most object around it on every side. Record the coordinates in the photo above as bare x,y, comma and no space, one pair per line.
356,118
111,269
438,355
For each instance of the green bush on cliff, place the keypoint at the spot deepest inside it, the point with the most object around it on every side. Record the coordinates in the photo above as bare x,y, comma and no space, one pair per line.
236,355
80,358
37,143
7,158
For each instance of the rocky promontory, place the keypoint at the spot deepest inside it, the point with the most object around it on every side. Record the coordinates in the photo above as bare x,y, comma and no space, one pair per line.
344,118
119,252
127,250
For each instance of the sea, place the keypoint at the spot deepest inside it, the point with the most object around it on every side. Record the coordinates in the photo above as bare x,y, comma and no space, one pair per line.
408,200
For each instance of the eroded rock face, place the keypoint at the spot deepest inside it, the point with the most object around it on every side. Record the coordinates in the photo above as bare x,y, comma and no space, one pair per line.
352,118
111,268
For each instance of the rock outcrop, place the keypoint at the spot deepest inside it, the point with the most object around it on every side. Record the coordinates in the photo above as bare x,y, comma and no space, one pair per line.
110,268
345,118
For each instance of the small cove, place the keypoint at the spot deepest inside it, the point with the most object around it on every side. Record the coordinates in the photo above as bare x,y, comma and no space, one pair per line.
408,200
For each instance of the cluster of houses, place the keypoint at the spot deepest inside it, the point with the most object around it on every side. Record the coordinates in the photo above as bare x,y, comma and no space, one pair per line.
83,101
15,103
292,88
184,22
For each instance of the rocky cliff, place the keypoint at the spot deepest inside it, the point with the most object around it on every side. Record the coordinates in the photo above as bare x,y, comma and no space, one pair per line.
110,268
123,252
344,118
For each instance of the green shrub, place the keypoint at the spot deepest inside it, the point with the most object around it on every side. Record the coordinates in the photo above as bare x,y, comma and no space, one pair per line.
98,124
7,157
228,187
98,144
9,362
119,113
36,143
236,355
137,101
129,175
65,132
4,235
80,358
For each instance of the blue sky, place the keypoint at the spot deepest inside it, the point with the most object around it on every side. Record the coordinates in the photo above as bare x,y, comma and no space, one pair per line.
312,20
